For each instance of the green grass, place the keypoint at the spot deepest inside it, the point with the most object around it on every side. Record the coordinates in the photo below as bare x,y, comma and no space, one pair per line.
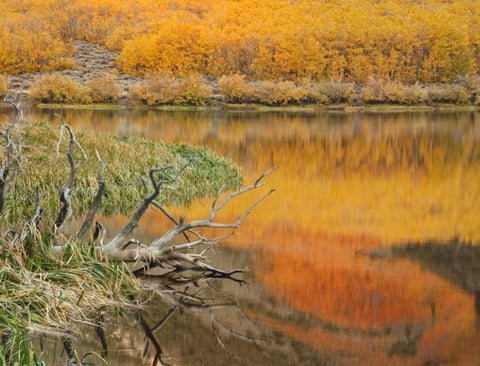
128,160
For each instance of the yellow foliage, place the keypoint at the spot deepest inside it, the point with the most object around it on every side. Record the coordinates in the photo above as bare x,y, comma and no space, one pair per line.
3,85
405,41
59,89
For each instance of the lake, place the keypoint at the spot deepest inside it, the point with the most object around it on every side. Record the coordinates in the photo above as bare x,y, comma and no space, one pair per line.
365,254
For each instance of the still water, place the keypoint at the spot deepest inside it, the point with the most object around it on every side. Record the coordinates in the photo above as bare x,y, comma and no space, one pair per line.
324,287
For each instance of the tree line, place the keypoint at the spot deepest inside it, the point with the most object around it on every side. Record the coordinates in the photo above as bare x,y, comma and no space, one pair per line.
406,41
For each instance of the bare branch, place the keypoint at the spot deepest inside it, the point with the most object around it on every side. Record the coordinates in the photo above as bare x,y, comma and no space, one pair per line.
12,162
38,211
170,217
73,139
138,243
180,228
99,232
151,338
116,242
95,205
191,245
65,203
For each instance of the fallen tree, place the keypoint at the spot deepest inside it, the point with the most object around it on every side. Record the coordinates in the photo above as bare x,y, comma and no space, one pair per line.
57,270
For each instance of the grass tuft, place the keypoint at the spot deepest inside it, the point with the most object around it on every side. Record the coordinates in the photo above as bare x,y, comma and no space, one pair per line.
128,160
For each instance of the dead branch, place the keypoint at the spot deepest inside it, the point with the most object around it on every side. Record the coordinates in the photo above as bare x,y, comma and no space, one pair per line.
208,222
99,329
99,233
65,202
38,211
164,320
117,241
95,205
170,217
11,162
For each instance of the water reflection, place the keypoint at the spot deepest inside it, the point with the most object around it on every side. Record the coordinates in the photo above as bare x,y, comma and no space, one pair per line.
347,183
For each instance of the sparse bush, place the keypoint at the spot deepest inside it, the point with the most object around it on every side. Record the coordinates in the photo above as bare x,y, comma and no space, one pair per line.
59,89
104,89
235,89
192,91
398,93
336,92
165,89
378,91
156,90
373,91
447,93
317,93
472,83
280,93
3,85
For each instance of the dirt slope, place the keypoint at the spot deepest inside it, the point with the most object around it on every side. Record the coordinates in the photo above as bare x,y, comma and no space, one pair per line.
91,60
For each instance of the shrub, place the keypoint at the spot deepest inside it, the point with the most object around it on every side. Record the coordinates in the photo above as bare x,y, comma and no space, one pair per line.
156,90
472,83
235,89
104,89
378,91
192,91
165,89
373,91
3,85
336,92
280,93
398,93
447,93
56,88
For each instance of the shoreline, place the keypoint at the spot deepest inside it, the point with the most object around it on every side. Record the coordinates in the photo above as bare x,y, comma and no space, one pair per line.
260,108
